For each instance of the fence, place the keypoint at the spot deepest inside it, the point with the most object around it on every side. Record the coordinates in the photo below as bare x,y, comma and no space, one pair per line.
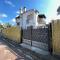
12,33
47,38
56,37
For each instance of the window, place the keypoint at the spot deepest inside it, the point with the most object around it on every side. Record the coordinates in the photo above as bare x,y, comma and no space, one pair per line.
18,23
29,17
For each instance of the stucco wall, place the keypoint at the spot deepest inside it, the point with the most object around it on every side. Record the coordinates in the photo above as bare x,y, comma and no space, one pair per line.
12,33
56,37
32,22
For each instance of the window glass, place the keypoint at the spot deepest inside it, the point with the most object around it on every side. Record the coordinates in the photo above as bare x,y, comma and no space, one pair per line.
18,23
29,17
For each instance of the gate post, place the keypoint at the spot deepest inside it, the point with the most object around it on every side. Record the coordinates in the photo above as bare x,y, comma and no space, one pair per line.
21,35
31,35
50,38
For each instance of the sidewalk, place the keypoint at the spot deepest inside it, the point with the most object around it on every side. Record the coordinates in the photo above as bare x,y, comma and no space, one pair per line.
32,53
35,49
6,53
41,54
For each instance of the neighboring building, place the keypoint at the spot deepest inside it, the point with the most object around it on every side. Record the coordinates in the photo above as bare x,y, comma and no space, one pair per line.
29,18
41,20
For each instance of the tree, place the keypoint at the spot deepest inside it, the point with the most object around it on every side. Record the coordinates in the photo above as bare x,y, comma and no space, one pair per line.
1,26
58,10
6,25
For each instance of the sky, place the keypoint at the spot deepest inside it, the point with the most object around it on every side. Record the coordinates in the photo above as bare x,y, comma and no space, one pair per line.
9,9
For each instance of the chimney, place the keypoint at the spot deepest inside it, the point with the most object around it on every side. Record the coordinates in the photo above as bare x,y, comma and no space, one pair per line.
21,10
24,9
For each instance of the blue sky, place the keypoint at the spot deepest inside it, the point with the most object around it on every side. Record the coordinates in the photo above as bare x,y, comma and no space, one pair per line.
9,8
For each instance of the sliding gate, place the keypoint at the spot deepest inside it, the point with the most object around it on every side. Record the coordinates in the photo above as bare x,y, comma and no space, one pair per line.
39,37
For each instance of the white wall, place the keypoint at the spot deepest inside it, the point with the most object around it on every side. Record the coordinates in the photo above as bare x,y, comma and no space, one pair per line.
32,21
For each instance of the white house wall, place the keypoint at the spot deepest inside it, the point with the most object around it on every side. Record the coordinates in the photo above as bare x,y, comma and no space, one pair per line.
23,19
35,20
32,22
20,23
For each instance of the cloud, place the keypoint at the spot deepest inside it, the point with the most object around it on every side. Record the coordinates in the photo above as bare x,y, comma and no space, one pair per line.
17,15
18,12
13,20
3,15
52,10
9,3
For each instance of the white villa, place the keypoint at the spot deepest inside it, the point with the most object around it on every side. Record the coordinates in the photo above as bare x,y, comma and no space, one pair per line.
29,18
